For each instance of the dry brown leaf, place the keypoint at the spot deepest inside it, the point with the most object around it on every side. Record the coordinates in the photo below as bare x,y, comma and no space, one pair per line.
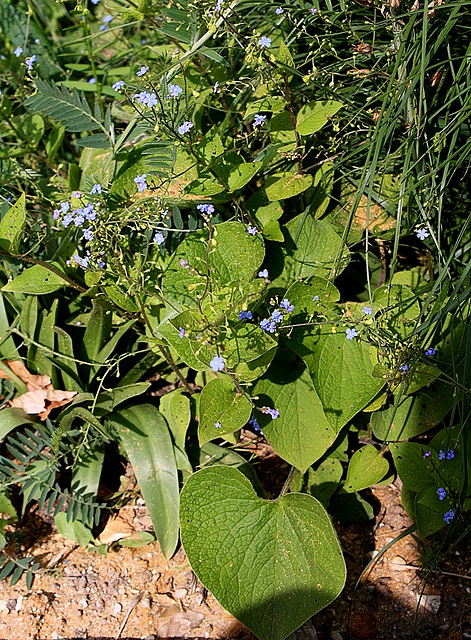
116,529
42,401
32,381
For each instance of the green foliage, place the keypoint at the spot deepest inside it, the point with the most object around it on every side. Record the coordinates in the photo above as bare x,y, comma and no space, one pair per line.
260,551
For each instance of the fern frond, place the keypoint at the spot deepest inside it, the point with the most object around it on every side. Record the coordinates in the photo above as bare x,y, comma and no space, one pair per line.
159,156
66,107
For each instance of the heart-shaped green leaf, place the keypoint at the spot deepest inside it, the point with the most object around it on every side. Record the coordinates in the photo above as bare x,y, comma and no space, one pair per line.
366,467
221,410
272,563
302,432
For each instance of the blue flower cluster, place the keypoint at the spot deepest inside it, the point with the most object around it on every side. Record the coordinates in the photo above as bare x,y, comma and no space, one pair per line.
449,515
273,413
145,98
217,363
245,315
270,324
206,211
449,455
81,218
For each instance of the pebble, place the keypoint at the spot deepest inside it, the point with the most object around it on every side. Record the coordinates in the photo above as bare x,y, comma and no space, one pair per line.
431,603
19,602
3,605
117,608
180,593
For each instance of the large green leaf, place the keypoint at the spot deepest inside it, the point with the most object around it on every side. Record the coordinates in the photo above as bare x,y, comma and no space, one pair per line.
272,563
302,433
413,415
287,185
12,226
175,407
148,445
11,418
310,248
36,280
314,115
341,369
233,257
221,404
367,467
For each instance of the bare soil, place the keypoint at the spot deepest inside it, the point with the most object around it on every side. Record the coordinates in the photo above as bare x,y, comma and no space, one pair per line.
134,593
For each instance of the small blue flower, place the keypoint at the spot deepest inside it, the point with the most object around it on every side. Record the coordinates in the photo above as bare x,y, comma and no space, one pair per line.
101,264
185,127
174,90
82,262
65,206
217,363
56,214
218,6
181,332
97,188
216,87
107,19
351,333
252,230
449,515
258,120
450,454
274,413
205,208
285,304
276,316
441,493
30,61
79,218
264,42
279,11
151,100
315,299
403,369
88,233
218,425
254,424
245,315
368,311
18,51
427,454
92,81
66,220
76,194
263,273
422,234
118,85
95,1
142,72
140,182
313,11
266,325
159,238
430,352
441,455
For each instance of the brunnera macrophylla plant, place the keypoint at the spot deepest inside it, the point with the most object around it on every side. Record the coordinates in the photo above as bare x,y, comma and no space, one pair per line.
207,231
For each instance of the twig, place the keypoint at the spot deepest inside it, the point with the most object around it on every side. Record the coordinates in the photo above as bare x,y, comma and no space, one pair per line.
134,602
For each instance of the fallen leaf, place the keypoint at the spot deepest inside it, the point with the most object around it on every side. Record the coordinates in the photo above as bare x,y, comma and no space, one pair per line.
115,529
42,401
31,380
